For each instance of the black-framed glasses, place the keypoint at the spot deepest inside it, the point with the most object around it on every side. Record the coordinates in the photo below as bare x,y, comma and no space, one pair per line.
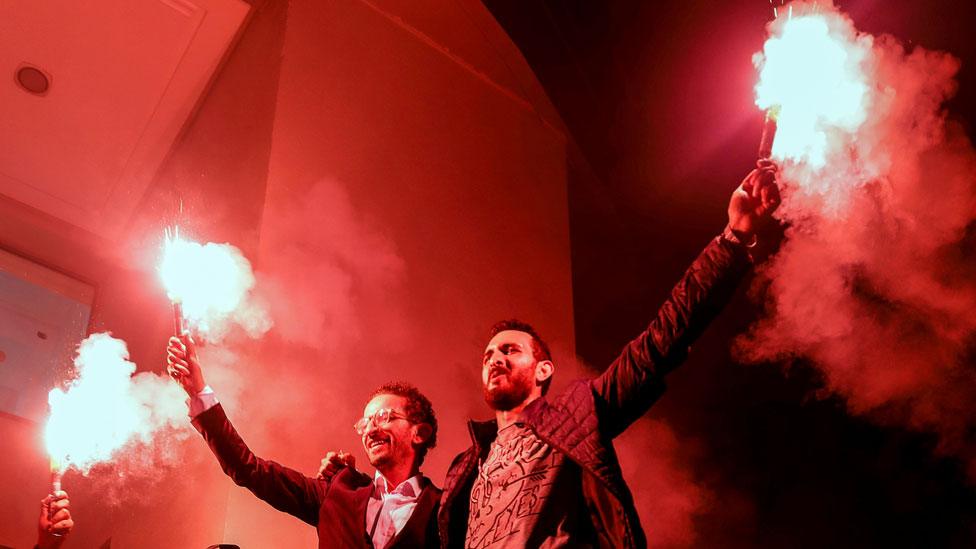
382,419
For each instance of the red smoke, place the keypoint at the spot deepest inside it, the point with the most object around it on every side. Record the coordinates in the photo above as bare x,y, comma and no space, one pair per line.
323,264
332,281
668,495
872,284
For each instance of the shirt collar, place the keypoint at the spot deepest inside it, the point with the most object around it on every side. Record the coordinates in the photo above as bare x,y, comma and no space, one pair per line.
409,488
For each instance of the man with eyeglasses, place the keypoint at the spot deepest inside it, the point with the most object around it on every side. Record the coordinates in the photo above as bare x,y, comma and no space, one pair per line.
395,508
544,472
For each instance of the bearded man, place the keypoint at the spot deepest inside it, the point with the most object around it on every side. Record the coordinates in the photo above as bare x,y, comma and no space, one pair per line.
544,472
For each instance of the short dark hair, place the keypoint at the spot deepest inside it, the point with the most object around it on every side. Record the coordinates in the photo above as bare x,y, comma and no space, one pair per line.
418,410
540,350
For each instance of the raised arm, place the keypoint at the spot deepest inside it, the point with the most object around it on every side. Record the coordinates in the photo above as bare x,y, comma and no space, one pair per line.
636,378
283,488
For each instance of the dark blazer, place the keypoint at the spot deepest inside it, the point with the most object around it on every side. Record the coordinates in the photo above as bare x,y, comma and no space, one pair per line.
582,421
336,508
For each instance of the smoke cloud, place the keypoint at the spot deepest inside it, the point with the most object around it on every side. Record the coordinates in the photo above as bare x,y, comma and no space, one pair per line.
332,283
110,413
874,285
324,265
668,494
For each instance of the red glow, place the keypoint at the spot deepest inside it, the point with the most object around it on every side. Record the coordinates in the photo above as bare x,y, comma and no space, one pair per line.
871,285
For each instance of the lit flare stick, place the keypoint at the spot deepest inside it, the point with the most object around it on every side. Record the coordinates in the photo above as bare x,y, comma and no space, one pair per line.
812,84
769,133
171,239
56,474
178,318
772,112
56,452
65,438
208,284
104,406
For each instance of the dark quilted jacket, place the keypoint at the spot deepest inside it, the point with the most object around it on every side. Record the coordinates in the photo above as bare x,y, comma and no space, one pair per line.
583,420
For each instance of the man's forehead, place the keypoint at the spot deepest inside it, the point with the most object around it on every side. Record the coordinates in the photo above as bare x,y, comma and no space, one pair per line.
510,336
384,400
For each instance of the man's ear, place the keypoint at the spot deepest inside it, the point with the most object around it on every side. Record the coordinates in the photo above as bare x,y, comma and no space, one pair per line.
544,370
422,434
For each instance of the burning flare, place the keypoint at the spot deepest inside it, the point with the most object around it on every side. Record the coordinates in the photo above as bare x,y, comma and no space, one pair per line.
812,73
211,283
875,284
106,407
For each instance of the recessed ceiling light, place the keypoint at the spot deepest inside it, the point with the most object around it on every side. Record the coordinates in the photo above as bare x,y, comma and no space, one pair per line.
33,79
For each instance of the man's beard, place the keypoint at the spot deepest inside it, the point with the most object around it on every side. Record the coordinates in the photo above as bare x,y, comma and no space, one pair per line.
384,458
506,398
380,461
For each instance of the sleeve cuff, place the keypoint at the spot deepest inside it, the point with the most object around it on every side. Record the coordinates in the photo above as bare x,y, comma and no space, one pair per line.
202,401
729,235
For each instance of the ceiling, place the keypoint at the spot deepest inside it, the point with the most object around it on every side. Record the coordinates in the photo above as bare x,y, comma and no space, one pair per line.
125,75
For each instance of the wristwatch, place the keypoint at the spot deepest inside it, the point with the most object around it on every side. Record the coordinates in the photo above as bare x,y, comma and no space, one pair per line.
729,234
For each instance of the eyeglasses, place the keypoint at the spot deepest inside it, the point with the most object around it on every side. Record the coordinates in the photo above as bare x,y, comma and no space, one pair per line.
381,418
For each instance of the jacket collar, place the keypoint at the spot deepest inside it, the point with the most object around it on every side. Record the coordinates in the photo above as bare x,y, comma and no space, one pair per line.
483,433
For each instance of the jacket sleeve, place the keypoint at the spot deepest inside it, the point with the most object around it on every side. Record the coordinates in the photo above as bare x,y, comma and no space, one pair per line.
636,378
283,488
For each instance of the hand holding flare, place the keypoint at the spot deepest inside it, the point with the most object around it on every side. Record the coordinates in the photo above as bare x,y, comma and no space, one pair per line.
756,198
182,364
55,521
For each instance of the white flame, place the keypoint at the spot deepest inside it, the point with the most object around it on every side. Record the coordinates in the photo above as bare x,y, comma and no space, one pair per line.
106,407
813,71
213,283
